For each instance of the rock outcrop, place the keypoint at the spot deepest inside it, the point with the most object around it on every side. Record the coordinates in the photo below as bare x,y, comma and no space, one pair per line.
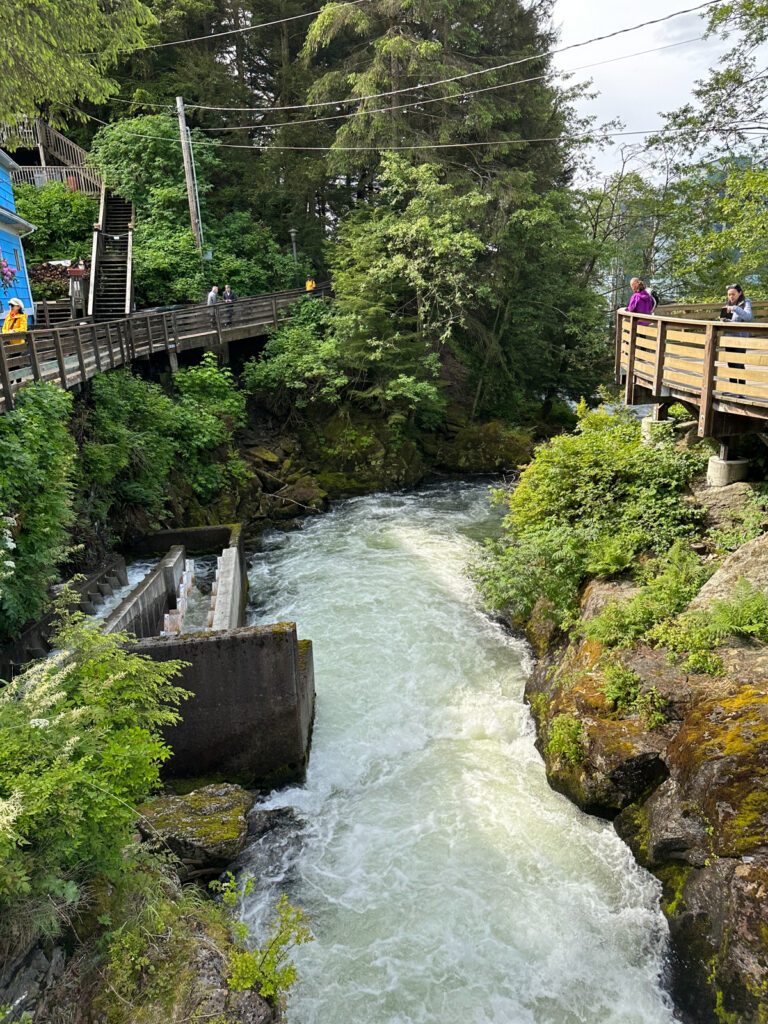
690,795
207,828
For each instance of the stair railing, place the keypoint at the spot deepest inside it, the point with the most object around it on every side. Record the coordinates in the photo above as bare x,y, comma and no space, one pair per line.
129,269
97,251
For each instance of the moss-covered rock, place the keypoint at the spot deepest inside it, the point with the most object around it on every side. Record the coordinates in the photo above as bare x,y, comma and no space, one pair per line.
207,826
493,447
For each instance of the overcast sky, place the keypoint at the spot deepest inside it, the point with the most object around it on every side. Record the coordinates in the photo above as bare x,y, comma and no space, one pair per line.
637,88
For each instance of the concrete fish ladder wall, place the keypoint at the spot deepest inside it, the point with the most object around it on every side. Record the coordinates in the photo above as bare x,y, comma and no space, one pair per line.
250,716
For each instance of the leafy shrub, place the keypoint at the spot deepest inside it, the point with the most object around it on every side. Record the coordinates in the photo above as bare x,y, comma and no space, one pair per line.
565,738
63,222
80,745
135,437
670,584
36,460
586,506
695,636
621,685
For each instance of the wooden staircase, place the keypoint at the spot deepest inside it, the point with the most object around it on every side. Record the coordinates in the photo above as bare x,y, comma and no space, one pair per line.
111,291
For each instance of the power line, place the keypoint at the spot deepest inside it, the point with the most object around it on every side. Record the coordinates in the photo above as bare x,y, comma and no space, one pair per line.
468,74
450,98
578,137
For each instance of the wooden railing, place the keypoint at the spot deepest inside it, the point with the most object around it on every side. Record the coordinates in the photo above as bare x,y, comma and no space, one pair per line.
70,354
77,179
720,367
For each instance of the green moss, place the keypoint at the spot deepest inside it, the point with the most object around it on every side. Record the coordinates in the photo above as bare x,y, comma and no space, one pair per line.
673,877
305,653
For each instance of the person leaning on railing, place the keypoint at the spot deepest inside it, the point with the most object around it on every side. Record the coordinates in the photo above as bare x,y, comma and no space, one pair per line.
641,301
16,320
738,310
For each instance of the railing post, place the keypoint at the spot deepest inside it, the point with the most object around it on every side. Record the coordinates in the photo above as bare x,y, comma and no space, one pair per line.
274,310
629,390
661,351
5,379
173,359
46,313
131,339
707,379
217,319
80,356
35,362
95,342
108,329
60,358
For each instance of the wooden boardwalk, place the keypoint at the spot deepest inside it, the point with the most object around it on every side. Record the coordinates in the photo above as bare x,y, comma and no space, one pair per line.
679,355
69,354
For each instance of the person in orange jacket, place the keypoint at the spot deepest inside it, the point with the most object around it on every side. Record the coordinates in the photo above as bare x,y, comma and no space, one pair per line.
16,320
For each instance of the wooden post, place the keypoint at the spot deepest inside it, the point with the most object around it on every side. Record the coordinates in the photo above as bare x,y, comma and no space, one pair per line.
80,356
274,310
619,334
60,358
707,380
173,359
5,379
131,339
95,341
217,319
46,313
175,325
35,362
110,351
661,351
629,391
148,324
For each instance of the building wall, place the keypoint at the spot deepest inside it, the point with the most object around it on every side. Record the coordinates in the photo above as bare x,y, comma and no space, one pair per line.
11,249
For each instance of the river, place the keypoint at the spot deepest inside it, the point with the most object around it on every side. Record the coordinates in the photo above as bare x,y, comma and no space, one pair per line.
444,880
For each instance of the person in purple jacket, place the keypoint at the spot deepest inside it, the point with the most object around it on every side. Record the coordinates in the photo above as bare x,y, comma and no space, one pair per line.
641,301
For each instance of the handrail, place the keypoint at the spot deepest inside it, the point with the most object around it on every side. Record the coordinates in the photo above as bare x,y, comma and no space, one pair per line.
720,366
77,178
70,354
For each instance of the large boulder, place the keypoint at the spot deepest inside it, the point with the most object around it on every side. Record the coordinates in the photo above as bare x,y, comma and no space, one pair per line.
749,562
207,827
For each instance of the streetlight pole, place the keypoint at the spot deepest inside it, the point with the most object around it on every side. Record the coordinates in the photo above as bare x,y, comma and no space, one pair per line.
293,232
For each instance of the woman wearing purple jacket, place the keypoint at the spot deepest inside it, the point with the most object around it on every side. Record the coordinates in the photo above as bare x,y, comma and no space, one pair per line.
641,301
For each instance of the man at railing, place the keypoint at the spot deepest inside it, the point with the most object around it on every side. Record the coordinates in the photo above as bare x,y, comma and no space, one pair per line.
16,320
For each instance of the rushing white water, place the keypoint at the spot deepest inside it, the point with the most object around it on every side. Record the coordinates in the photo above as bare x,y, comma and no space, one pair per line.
444,880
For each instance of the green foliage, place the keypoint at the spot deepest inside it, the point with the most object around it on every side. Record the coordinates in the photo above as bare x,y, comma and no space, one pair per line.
60,58
669,584
269,969
694,637
565,738
64,222
587,505
135,438
621,686
36,459
748,522
140,159
81,744
301,363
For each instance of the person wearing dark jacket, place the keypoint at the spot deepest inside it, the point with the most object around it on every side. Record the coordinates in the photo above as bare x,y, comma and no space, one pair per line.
228,296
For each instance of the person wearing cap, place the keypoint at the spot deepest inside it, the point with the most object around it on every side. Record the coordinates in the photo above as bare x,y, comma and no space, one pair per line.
16,320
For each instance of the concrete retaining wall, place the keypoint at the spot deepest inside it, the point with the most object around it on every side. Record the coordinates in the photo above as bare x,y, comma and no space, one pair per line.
251,713
142,611
230,599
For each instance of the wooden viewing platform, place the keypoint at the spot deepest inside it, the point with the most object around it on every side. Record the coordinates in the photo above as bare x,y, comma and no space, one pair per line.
69,354
685,354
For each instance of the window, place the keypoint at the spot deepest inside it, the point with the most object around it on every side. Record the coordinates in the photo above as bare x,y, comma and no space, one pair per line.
17,259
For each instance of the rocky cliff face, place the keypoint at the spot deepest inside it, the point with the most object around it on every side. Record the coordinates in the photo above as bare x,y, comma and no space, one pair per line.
687,790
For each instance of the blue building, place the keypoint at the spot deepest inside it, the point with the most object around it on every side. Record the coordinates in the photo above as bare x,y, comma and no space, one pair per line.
12,229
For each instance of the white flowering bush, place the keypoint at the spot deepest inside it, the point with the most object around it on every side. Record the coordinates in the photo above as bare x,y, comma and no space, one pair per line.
80,746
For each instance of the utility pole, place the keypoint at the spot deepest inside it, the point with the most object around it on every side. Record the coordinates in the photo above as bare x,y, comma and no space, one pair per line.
189,174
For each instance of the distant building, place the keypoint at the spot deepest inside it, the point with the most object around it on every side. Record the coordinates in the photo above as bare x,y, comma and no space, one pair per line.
12,229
